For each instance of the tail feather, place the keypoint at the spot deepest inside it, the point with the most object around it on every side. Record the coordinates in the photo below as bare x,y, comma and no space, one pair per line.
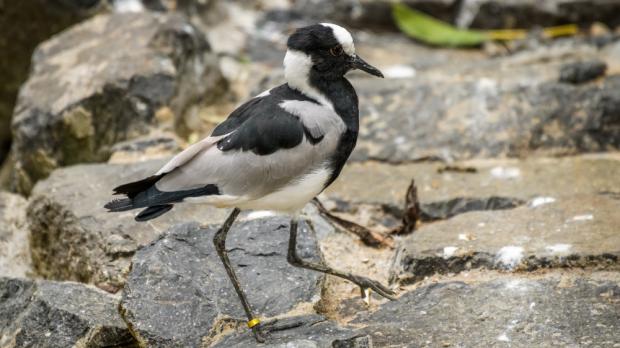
123,204
153,212
144,194
132,189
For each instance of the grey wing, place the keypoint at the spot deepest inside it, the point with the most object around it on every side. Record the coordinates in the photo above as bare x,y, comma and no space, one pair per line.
317,119
188,154
242,173
264,154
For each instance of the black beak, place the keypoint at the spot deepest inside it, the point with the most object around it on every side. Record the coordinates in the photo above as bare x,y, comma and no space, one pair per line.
359,63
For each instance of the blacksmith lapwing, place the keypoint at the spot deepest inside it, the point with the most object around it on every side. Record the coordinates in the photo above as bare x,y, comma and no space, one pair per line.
275,152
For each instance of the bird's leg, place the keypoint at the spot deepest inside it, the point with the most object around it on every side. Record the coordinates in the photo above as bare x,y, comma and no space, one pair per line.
363,282
219,240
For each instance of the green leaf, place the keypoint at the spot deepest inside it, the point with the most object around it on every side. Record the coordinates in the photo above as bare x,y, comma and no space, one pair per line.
433,31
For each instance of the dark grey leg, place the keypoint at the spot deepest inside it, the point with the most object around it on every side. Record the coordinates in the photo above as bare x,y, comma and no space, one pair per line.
363,282
219,240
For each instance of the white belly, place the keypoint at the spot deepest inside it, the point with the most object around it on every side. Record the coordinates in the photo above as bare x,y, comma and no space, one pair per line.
293,197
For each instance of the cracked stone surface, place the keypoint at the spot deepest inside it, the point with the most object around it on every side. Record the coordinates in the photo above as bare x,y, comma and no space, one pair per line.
14,247
180,276
314,332
73,238
87,90
59,314
157,145
549,310
572,231
507,106
27,23
552,311
526,179
485,117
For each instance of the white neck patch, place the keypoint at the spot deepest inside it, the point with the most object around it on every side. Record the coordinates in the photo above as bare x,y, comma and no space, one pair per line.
343,36
297,67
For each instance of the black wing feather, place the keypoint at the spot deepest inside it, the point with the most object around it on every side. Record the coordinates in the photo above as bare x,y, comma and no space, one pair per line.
132,189
262,126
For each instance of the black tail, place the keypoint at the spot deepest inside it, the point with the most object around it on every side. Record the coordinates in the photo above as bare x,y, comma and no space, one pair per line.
153,212
122,204
132,189
144,194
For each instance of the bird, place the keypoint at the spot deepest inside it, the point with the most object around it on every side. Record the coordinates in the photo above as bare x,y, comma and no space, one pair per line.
276,152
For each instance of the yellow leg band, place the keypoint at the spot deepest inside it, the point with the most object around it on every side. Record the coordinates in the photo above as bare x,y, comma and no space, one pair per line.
253,322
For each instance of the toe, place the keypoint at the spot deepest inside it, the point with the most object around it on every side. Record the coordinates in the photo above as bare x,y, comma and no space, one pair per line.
258,335
378,288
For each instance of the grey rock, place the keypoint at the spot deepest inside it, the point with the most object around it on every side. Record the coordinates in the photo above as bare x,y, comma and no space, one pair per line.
14,248
545,311
388,218
550,311
73,237
524,179
313,332
153,146
25,24
359,341
373,194
446,209
512,105
580,72
485,118
493,14
101,82
180,276
572,231
53,314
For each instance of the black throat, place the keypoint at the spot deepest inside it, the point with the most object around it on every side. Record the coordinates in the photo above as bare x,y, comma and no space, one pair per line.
342,95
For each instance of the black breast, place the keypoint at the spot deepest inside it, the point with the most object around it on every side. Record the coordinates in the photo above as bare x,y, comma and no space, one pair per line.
342,95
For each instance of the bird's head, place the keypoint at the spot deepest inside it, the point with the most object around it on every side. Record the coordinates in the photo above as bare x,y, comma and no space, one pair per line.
324,50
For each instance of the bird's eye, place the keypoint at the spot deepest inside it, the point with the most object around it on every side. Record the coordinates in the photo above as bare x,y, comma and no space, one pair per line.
336,51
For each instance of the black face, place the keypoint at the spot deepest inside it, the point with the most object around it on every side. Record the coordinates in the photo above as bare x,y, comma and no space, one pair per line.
330,61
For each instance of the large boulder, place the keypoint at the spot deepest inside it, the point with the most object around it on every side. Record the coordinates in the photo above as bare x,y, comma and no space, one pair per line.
496,112
73,237
53,314
103,81
525,179
549,311
567,231
373,194
310,331
180,276
541,311
24,24
14,248
157,145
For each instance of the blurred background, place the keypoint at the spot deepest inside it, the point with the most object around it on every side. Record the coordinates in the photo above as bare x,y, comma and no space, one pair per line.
485,185
121,70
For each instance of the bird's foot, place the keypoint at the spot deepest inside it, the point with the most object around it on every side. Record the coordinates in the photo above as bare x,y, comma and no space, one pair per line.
366,284
263,329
